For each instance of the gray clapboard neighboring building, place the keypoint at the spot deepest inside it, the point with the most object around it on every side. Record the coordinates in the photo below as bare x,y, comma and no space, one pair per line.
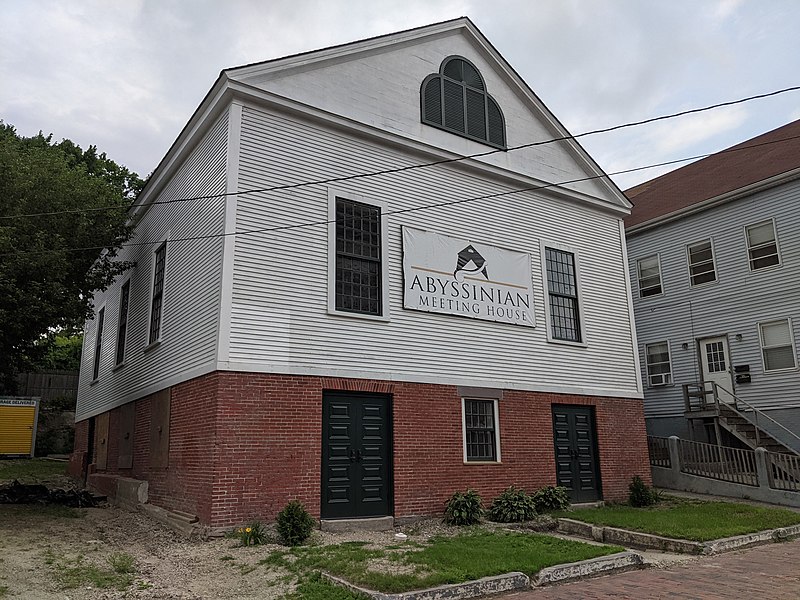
714,253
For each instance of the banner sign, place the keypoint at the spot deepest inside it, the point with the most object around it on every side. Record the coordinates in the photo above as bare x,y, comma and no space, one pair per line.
443,274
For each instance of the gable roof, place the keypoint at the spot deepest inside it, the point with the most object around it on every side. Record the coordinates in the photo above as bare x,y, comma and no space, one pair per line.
768,159
239,81
259,74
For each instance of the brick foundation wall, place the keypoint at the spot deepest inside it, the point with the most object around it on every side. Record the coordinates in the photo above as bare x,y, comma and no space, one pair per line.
243,444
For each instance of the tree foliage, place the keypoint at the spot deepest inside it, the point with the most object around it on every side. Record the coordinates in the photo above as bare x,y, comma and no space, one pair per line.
51,264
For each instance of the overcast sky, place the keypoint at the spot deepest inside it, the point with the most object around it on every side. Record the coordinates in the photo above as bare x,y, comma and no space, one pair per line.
126,75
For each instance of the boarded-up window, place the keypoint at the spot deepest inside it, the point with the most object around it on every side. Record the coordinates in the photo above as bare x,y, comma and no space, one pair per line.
101,441
127,419
159,429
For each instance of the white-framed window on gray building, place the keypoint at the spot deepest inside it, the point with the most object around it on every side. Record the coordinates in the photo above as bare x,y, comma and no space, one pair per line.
762,245
659,364
122,325
357,274
701,262
98,343
157,300
481,430
649,274
777,345
562,293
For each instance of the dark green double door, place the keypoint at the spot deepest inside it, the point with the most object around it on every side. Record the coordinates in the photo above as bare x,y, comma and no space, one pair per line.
356,457
577,464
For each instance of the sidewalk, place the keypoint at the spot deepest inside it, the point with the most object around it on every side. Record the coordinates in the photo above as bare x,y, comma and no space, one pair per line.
770,571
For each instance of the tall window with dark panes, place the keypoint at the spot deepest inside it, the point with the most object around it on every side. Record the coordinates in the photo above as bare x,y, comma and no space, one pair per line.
98,343
358,257
157,305
479,429
122,329
562,288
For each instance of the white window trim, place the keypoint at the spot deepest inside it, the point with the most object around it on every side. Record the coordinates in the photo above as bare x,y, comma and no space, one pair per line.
496,431
334,193
788,321
125,353
546,291
747,246
710,240
646,365
156,247
95,349
660,277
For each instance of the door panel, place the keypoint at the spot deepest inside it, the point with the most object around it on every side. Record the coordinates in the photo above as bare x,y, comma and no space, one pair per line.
575,440
716,365
356,465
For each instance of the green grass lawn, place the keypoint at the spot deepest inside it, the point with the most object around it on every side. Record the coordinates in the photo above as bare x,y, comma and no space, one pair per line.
688,519
465,557
31,470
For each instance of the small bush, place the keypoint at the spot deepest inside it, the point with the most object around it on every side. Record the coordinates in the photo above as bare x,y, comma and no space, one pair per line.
295,524
512,506
550,498
122,563
252,535
463,508
640,494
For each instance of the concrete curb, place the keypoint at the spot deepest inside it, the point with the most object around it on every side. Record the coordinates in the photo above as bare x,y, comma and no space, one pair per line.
603,565
456,591
637,539
751,539
621,561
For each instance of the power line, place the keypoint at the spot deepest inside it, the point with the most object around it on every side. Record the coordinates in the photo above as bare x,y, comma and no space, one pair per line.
405,210
423,165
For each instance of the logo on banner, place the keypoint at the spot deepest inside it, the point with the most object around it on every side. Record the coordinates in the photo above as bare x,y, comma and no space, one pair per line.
469,256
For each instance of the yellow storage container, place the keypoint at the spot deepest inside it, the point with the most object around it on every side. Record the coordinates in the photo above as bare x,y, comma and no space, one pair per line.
18,418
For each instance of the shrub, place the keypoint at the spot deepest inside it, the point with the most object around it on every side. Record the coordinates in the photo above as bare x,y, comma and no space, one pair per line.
512,506
463,508
295,524
550,498
640,494
252,535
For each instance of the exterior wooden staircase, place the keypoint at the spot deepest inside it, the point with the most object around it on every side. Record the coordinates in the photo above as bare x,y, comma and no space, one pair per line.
740,427
740,419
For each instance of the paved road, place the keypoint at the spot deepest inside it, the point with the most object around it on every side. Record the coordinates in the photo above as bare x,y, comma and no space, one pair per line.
769,572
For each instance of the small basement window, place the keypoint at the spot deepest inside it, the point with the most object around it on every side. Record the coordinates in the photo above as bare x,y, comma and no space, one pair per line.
480,431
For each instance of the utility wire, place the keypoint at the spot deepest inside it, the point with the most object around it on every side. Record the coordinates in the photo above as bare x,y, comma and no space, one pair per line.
424,165
402,210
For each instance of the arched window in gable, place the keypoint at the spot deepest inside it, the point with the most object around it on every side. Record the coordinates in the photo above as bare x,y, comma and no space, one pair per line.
455,99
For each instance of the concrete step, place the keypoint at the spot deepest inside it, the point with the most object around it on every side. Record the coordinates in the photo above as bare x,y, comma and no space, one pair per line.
370,524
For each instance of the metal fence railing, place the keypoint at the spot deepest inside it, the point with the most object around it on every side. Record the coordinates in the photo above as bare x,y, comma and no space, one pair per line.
784,471
659,451
718,462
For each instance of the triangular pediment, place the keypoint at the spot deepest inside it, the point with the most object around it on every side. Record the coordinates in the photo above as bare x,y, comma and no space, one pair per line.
376,82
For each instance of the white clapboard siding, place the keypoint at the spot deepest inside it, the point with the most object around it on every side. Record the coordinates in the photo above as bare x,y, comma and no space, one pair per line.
733,305
279,315
191,288
382,89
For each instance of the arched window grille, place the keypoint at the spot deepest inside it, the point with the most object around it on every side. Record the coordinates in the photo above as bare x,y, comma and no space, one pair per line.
455,99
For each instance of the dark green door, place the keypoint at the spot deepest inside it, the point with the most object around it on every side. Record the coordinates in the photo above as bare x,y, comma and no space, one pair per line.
356,462
577,465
